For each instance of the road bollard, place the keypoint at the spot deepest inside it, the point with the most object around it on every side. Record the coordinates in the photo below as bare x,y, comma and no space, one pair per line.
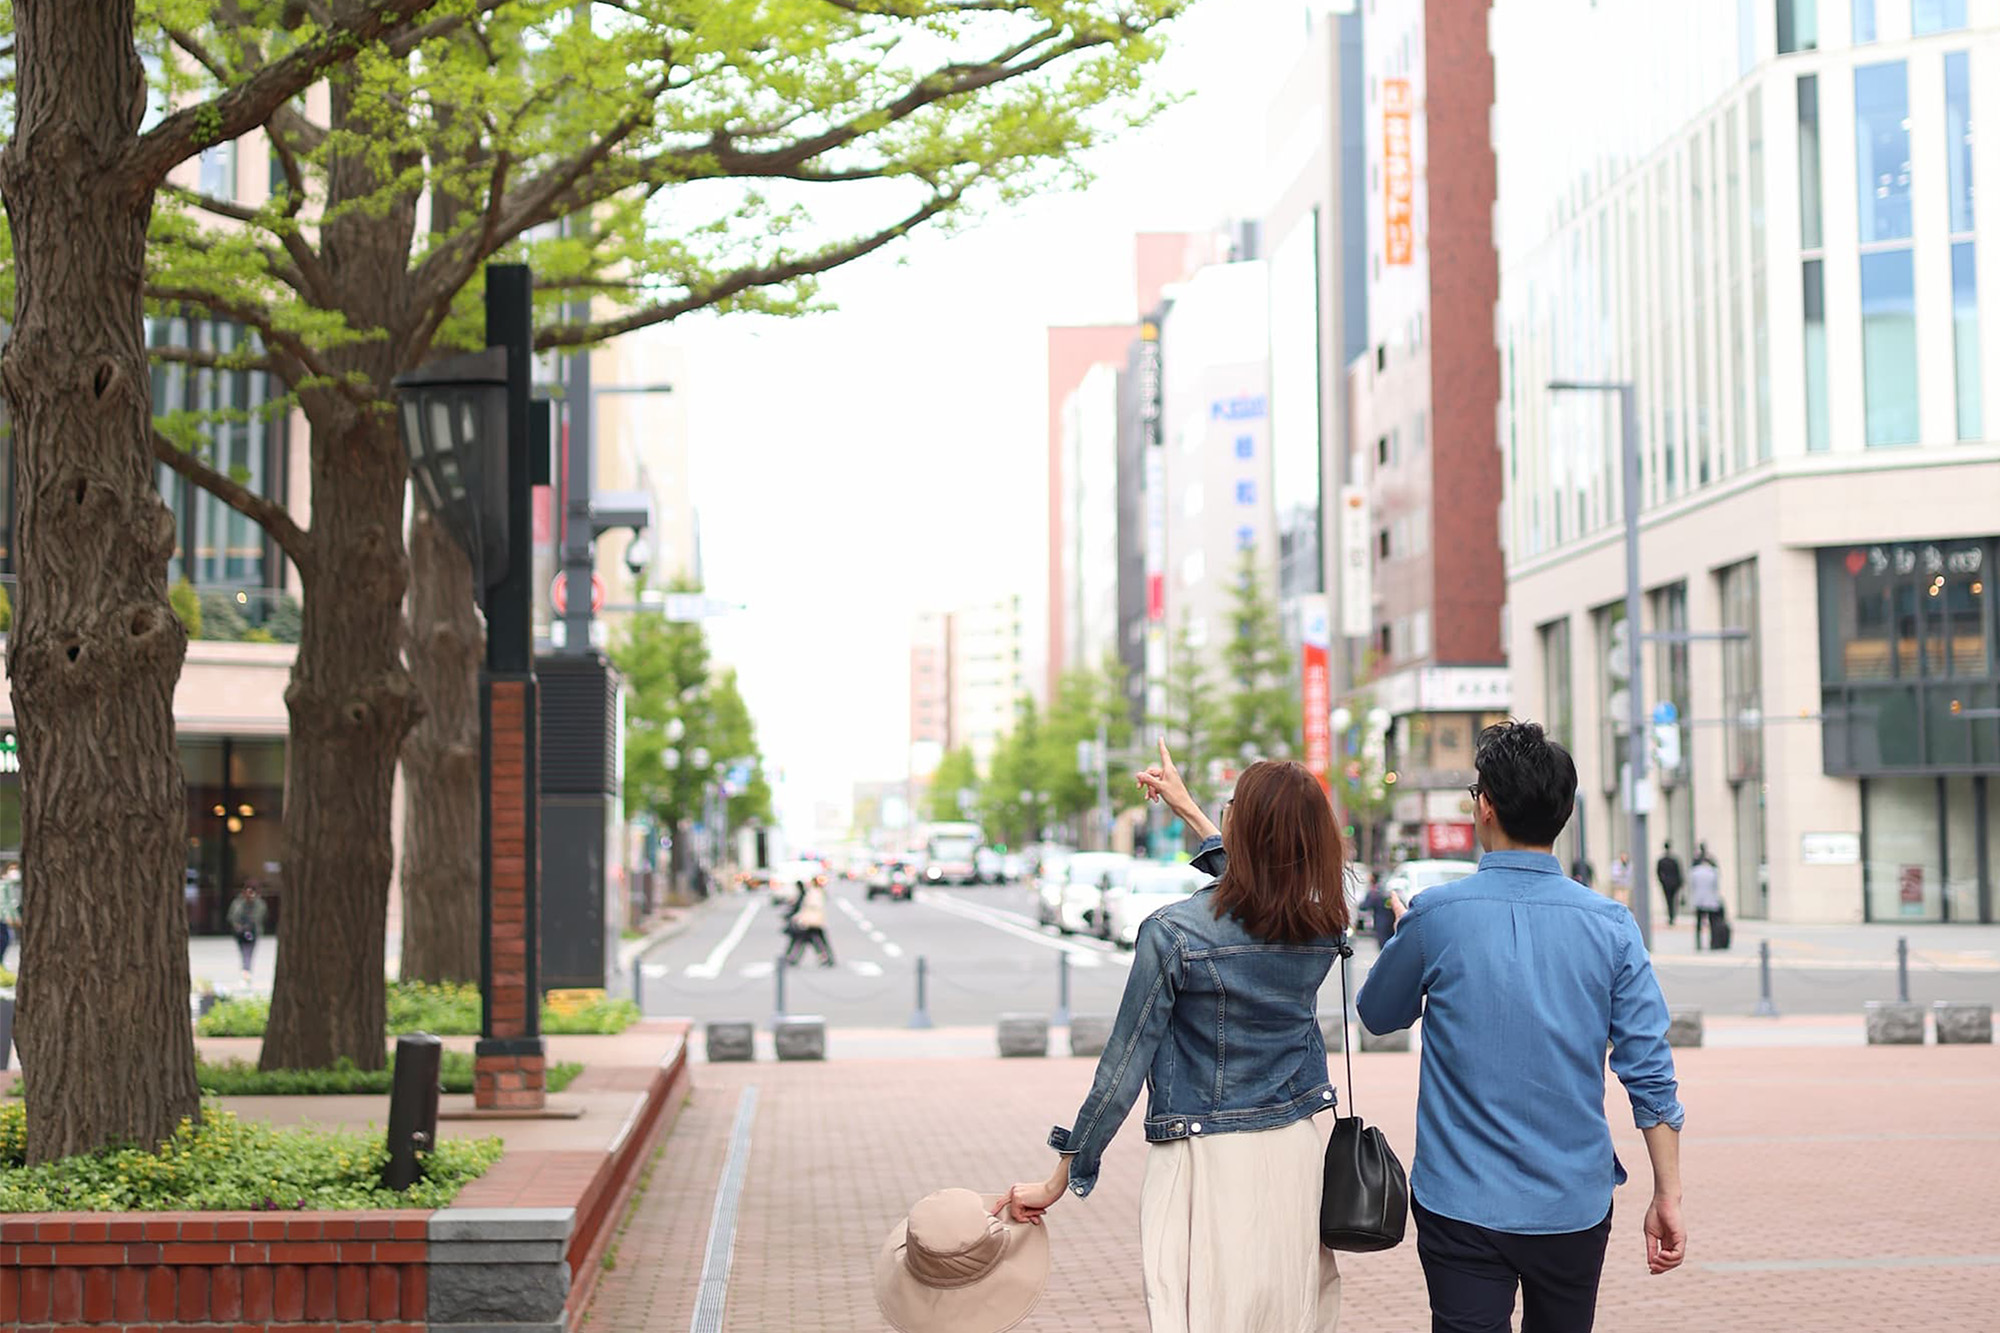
1061,1018
413,1108
1764,1009
778,975
1902,969
922,1017
639,982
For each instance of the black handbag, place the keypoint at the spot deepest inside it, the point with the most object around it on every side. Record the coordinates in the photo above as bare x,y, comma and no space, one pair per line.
1364,1201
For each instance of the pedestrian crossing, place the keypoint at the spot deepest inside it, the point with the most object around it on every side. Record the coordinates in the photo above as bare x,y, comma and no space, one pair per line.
760,969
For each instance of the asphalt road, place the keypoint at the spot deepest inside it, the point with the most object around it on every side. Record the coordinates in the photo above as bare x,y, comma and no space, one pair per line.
986,956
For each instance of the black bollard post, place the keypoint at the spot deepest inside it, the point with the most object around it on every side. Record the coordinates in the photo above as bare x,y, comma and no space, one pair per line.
1765,1008
922,1017
413,1108
1903,969
779,973
1061,1018
639,982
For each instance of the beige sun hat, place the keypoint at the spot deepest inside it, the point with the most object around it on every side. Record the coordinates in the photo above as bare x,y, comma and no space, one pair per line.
953,1267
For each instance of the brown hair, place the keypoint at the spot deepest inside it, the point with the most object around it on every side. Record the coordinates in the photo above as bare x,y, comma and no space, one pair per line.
1284,880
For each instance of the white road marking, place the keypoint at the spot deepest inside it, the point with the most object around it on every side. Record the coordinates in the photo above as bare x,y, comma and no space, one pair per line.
655,969
711,967
1022,927
892,950
757,969
863,968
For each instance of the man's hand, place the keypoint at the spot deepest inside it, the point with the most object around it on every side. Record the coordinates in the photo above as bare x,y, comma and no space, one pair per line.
1666,1235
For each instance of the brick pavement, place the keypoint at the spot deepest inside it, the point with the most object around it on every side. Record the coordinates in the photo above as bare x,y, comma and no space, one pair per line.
1827,1189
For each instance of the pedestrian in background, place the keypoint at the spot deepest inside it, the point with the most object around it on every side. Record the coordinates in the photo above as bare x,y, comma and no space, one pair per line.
1705,896
808,925
1381,917
249,918
1668,871
1523,979
1229,1211
10,906
1621,879
1582,871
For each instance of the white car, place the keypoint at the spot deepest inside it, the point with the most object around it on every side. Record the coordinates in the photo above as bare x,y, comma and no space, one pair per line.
1152,885
1049,879
1413,877
1088,875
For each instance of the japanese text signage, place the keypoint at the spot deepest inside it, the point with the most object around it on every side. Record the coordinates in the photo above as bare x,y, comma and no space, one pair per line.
1317,696
1398,173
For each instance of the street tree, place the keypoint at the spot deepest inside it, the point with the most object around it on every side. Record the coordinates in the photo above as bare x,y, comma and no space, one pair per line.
1089,706
1261,712
1010,800
96,648
1193,714
668,157
957,773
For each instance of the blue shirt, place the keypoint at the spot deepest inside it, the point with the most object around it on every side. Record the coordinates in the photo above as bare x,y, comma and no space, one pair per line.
1522,978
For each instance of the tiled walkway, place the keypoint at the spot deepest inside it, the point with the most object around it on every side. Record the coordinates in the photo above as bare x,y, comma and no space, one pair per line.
1849,1189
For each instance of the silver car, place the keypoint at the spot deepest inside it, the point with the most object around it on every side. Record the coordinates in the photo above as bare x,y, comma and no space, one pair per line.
1088,875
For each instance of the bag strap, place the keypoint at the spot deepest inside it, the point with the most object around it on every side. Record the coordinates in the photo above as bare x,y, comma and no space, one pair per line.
1346,952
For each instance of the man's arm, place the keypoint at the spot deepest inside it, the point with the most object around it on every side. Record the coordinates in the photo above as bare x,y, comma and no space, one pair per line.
1644,1063
1666,1233
1392,997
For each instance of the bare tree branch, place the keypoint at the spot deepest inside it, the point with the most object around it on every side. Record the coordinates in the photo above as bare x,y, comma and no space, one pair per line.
209,360
409,40
237,110
267,513
304,273
309,361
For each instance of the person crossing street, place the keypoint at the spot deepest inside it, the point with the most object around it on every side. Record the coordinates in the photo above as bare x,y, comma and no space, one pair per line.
1668,871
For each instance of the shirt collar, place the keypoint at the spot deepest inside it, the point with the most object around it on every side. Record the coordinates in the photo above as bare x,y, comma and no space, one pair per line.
1544,862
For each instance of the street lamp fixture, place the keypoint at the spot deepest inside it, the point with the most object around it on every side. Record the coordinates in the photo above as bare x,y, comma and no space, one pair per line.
454,427
1341,719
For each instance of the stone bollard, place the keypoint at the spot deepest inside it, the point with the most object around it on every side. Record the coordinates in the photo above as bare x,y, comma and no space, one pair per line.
1024,1034
731,1041
1893,1024
1399,1040
1963,1023
1089,1034
1683,1026
1333,1032
800,1037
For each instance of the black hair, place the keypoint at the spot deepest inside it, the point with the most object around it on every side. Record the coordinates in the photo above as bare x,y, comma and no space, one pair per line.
1529,780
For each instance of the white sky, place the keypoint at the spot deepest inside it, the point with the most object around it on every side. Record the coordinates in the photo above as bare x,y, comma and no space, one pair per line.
856,467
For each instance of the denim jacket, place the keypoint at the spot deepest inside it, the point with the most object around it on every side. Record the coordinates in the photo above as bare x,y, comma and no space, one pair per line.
1222,1026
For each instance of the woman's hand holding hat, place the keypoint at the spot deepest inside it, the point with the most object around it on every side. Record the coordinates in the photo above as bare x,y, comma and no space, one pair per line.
1027,1202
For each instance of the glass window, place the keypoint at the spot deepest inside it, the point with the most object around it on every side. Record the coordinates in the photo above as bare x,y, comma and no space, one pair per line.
1958,139
1698,233
1798,25
1889,346
1903,877
1928,16
218,171
1961,849
1742,688
1882,151
1810,232
1558,708
1760,305
1746,36
1732,293
1864,21
1965,337
1819,423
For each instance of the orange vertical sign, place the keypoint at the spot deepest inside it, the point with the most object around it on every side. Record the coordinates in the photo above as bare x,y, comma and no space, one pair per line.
1398,177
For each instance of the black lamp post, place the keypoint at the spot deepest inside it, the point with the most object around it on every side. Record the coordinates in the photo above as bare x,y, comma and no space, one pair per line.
467,430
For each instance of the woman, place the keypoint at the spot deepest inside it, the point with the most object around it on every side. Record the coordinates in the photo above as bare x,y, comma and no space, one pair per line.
1219,1020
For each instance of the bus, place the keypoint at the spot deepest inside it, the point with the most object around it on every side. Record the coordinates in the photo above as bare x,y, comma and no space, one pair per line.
951,853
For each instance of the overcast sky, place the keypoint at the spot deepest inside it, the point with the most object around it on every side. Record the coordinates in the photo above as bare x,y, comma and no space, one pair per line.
856,467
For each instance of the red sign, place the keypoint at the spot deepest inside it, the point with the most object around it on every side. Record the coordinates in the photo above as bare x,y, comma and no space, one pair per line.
541,507
559,594
1156,597
1449,839
1316,692
1398,173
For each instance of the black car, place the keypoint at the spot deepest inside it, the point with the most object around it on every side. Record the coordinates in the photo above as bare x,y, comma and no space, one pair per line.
895,880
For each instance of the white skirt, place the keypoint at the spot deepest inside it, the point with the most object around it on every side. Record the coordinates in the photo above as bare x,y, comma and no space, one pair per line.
1229,1227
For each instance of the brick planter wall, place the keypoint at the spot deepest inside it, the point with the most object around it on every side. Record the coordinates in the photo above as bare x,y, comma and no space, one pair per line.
207,1271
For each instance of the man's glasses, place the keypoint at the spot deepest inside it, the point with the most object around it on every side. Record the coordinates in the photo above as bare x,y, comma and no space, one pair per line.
1473,791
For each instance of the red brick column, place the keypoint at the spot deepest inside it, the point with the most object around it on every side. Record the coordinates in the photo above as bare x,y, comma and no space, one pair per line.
509,1063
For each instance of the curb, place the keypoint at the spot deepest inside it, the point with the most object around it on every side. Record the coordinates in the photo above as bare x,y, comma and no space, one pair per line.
630,951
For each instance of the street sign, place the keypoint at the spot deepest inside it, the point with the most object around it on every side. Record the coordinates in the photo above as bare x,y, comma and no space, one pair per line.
1665,714
684,607
559,594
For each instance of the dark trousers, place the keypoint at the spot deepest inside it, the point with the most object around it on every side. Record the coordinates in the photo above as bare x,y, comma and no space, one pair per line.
6,939
1473,1272
247,946
813,935
1673,897
1706,916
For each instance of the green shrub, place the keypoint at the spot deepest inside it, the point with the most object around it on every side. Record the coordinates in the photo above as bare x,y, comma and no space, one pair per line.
220,1162
221,617
6,610
187,605
450,1009
236,1078
287,620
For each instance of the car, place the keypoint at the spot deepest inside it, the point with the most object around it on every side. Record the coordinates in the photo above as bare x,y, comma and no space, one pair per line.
1049,877
1151,886
894,880
986,866
1088,875
1413,877
789,877
1013,868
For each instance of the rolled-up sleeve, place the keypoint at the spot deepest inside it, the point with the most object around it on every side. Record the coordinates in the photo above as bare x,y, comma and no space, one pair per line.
1121,1070
1640,1055
1210,859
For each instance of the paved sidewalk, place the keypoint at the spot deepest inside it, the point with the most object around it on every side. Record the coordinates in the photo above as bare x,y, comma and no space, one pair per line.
1827,1189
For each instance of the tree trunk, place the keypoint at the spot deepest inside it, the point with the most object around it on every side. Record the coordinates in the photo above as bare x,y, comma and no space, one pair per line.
440,876
96,649
351,703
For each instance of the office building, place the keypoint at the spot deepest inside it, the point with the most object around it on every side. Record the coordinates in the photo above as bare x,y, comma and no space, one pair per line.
1768,228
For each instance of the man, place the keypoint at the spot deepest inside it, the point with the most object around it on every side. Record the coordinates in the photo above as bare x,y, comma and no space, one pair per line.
1705,895
1582,871
249,918
1668,870
1522,978
10,907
